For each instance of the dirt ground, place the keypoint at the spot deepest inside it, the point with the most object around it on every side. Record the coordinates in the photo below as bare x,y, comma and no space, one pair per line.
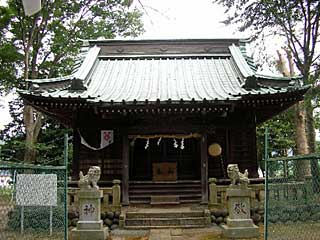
167,234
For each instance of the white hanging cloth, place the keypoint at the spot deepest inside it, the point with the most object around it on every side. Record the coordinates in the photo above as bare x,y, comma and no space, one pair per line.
106,140
31,6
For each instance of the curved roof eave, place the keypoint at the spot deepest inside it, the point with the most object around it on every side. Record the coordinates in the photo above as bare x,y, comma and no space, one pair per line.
81,73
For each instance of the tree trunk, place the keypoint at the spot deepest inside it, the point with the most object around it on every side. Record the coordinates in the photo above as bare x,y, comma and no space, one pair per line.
302,167
32,121
310,129
311,137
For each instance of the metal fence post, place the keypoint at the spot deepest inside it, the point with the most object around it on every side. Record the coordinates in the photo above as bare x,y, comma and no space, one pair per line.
266,192
66,186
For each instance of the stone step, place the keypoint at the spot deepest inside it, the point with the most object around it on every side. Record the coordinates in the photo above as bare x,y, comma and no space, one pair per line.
169,187
178,221
166,182
164,203
165,215
182,199
188,191
164,191
165,186
139,201
164,200
147,200
181,196
164,227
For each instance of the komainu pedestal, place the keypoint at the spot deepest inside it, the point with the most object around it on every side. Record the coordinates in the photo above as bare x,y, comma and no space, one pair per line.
89,226
239,223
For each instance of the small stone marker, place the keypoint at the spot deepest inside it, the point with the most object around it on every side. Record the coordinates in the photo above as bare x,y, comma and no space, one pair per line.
90,226
239,223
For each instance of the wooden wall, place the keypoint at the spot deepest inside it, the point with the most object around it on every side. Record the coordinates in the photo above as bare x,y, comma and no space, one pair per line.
216,164
238,146
243,151
108,159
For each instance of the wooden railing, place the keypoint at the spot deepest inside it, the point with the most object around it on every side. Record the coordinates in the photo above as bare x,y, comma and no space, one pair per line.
111,196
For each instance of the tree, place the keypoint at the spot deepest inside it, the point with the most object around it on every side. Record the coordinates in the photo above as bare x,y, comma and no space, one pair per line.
303,167
50,145
295,21
46,44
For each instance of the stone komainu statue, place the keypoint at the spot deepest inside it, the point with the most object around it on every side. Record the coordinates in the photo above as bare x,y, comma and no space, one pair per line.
236,176
90,180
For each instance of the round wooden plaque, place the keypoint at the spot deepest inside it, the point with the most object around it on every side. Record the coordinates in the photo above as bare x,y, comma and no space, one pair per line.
215,149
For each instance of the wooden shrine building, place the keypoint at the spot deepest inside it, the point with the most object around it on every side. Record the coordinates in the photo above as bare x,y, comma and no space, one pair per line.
178,111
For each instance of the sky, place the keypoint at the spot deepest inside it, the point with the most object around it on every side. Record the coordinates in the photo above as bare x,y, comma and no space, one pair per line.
171,19
184,19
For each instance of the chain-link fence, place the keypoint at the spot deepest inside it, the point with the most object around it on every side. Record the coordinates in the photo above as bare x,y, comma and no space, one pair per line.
32,201
293,198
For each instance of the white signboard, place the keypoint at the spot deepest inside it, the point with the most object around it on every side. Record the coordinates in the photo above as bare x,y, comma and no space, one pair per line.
36,190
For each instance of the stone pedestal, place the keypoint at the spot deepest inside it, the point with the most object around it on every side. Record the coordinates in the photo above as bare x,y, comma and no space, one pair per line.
239,223
89,226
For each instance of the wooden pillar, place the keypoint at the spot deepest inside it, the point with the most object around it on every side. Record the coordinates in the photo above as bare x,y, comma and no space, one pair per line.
76,155
204,169
125,169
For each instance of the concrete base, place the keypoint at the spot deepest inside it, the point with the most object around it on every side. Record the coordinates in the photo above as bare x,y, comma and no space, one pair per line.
91,225
98,234
239,223
240,232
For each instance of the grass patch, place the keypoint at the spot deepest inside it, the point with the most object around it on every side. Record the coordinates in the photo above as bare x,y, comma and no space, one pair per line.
5,195
14,235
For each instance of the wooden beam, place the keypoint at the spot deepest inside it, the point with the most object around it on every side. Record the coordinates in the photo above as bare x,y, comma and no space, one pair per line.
125,169
204,169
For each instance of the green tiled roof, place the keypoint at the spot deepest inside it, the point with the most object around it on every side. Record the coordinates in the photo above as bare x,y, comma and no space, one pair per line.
137,77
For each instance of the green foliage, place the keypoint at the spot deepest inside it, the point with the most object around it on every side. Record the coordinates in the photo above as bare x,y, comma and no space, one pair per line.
9,63
5,194
297,22
36,218
281,135
46,45
50,144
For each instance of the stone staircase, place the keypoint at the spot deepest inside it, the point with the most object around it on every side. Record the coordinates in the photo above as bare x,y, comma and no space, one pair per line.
148,218
145,192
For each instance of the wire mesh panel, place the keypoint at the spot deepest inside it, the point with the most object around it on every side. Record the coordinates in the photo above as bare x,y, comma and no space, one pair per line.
32,202
293,198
